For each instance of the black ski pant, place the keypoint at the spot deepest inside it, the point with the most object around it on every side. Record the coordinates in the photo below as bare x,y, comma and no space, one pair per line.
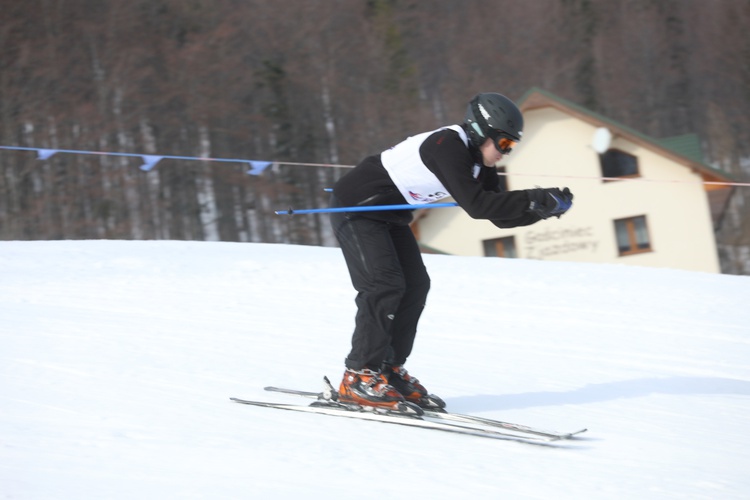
392,283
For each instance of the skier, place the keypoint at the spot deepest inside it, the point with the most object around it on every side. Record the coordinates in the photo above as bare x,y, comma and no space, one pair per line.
382,254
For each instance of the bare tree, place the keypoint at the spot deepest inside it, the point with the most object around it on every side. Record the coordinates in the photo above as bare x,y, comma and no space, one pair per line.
326,82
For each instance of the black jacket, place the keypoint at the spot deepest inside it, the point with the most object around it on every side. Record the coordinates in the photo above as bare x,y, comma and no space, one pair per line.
446,156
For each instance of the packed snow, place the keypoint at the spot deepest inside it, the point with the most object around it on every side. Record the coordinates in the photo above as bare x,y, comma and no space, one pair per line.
118,359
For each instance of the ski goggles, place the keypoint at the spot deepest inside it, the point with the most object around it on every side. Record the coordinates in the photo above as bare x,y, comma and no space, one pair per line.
504,145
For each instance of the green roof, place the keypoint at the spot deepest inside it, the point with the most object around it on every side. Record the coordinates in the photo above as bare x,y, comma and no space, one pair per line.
687,145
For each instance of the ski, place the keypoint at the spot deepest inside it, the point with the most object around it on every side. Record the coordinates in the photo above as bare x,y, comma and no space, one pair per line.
329,394
364,413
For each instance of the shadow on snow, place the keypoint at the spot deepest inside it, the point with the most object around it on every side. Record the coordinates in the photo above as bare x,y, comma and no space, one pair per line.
594,393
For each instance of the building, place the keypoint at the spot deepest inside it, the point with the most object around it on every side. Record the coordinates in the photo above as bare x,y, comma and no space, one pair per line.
638,200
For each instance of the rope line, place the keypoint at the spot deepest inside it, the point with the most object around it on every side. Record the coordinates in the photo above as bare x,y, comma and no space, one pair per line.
258,166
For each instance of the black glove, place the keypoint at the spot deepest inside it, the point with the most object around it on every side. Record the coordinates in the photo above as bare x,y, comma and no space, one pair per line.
549,202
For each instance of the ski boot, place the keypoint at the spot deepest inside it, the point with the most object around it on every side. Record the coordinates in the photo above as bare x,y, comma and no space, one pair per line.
370,389
411,389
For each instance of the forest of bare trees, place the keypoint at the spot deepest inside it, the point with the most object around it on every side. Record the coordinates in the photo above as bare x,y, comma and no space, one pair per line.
327,81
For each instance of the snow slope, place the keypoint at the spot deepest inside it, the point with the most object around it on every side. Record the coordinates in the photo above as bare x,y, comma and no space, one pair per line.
117,361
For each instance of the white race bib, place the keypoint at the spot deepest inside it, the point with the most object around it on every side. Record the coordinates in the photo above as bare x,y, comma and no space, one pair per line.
410,175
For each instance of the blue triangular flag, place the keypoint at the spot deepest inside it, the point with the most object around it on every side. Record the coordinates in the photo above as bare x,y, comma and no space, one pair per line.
150,162
45,153
257,167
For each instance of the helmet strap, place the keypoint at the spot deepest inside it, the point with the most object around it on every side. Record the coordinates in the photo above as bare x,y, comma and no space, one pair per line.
474,150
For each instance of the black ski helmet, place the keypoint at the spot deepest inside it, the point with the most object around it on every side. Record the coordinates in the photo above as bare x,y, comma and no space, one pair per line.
493,115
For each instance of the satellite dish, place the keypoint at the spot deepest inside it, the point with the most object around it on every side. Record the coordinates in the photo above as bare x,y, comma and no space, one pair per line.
602,139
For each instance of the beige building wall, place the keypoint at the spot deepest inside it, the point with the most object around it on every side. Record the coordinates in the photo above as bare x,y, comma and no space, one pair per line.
556,151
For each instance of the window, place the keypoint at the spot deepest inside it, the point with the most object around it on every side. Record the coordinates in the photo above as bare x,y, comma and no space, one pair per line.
500,247
632,235
618,164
